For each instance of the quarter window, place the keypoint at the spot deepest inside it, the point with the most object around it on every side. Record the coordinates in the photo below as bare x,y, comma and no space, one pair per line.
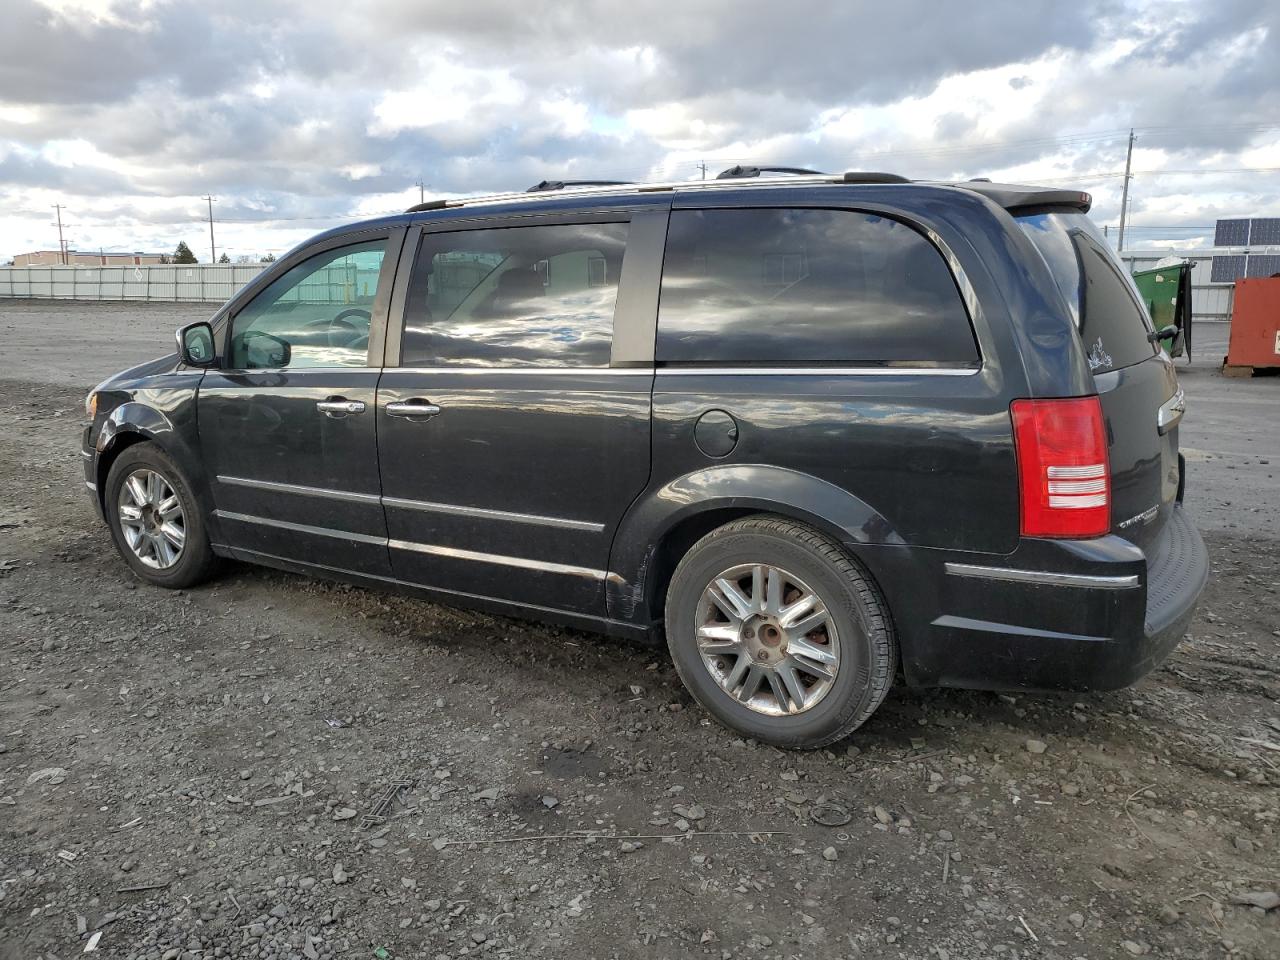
1099,291
315,315
812,287
515,296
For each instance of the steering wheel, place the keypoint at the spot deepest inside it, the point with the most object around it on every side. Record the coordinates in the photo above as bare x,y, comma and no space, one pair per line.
340,331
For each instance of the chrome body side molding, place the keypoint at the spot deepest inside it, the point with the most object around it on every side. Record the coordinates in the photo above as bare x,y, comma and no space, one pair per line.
487,514
300,489
299,527
543,566
1043,578
427,506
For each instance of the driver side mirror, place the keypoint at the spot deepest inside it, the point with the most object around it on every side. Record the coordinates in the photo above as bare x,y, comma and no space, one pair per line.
195,345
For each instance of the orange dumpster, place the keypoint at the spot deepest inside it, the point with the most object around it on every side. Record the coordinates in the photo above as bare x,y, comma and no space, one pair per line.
1255,327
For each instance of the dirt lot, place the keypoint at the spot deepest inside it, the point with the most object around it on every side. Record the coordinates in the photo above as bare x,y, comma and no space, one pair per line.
187,773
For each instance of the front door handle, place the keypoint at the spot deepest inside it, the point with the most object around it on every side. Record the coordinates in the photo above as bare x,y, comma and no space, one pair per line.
337,407
413,409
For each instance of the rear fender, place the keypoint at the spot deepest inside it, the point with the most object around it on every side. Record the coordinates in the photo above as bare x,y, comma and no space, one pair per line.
637,581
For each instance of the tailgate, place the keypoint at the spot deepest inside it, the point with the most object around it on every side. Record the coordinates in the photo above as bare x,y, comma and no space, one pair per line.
1144,462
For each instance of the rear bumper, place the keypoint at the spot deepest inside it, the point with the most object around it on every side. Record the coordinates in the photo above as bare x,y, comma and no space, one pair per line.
1082,615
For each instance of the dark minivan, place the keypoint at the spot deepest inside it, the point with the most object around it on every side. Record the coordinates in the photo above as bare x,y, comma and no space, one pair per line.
820,431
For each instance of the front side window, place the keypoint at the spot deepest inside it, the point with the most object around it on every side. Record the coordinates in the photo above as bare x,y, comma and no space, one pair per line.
315,315
515,296
812,287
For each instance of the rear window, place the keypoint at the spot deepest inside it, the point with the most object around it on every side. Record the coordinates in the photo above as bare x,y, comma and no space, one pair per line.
1104,302
789,287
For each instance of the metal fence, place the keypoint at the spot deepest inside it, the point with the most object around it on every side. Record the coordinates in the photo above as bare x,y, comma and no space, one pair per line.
215,283
195,282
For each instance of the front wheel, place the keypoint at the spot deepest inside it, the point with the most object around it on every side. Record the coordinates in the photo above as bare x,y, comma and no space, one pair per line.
779,634
155,519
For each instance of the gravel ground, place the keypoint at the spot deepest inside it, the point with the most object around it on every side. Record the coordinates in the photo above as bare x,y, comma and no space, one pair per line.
188,774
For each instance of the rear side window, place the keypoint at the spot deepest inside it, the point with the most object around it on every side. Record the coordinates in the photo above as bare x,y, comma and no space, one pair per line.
807,287
1103,299
516,296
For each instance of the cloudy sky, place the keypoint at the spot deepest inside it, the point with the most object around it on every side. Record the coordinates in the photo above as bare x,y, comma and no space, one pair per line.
299,114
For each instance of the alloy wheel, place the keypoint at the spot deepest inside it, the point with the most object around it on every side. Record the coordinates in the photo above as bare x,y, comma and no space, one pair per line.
767,639
152,519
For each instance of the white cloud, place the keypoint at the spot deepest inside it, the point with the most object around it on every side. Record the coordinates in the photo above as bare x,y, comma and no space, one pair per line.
299,113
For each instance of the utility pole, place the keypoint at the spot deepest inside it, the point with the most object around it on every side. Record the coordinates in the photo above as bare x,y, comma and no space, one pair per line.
422,192
703,166
1124,194
62,247
213,251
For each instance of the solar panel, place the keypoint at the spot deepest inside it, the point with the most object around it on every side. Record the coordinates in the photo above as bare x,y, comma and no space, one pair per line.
1231,233
1264,264
1265,232
1227,269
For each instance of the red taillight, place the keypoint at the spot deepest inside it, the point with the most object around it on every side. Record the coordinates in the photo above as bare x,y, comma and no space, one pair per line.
1063,475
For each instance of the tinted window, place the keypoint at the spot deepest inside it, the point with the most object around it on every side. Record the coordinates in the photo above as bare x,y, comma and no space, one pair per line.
517,296
315,315
755,287
1104,302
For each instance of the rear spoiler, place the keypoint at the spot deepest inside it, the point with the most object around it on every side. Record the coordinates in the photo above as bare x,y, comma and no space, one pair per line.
1013,196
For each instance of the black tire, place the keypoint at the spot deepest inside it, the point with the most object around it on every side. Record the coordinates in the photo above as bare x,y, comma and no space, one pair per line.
868,650
196,562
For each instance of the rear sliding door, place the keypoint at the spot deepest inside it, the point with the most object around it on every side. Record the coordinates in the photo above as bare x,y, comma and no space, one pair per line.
514,432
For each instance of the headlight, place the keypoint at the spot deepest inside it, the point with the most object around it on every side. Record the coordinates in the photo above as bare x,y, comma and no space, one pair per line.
91,404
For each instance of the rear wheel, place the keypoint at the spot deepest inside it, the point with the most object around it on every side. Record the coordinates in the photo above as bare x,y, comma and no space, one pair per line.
155,520
779,634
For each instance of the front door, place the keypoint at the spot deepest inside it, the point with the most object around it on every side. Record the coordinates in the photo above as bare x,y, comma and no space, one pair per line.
287,422
514,435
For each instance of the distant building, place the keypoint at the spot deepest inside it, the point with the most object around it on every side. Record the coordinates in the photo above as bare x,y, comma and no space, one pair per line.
75,258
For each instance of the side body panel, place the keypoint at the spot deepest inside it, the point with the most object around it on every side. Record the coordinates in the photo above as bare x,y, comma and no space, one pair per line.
287,479
515,488
883,460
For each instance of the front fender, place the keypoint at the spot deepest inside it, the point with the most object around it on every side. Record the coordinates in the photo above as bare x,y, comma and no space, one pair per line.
167,417
736,487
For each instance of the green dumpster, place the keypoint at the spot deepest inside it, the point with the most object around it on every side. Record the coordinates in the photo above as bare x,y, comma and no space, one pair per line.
1166,290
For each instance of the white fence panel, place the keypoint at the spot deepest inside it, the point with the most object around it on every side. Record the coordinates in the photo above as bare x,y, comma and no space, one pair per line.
196,283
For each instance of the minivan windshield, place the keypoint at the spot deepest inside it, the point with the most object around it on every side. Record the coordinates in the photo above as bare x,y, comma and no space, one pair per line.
1104,302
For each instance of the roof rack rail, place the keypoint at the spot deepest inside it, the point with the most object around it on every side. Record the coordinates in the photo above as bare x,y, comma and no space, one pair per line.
428,205
871,176
739,172
546,185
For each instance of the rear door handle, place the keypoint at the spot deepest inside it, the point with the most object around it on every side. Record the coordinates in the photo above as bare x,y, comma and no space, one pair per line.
339,407
413,409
